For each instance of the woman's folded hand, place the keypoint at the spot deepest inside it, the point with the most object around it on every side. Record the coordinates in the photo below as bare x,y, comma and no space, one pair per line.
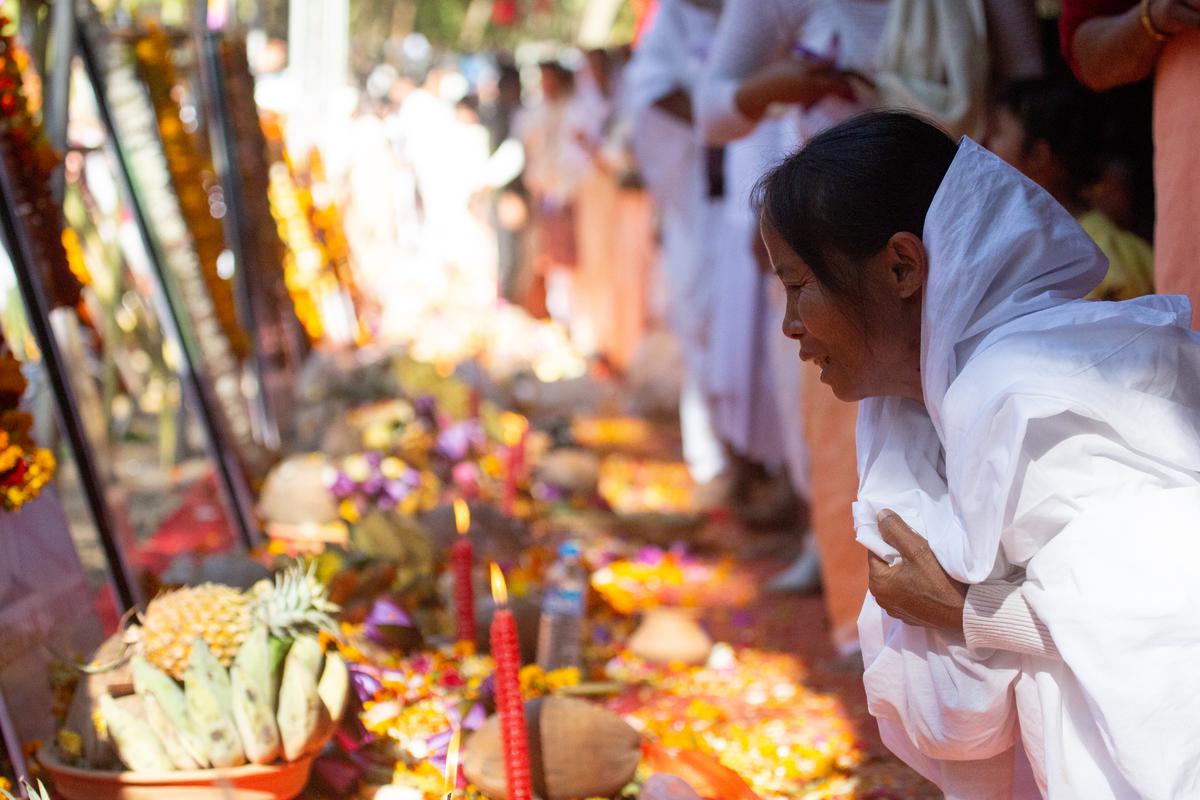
915,589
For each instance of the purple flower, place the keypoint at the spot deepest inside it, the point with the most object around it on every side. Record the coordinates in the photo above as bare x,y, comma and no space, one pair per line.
366,684
342,487
487,689
372,485
549,492
385,622
425,406
650,555
454,443
439,742
386,611
475,717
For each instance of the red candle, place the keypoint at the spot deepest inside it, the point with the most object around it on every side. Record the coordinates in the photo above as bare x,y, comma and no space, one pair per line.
462,560
509,702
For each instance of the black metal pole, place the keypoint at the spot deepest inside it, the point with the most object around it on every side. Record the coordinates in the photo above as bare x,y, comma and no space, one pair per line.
229,472
25,265
226,161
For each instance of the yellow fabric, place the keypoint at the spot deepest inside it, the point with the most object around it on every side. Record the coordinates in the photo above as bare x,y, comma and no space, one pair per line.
1130,259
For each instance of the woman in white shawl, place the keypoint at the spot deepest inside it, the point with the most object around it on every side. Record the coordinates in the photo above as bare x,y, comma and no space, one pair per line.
1029,464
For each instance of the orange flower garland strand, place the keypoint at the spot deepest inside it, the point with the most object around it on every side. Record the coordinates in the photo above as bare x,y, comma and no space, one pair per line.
31,160
25,468
193,176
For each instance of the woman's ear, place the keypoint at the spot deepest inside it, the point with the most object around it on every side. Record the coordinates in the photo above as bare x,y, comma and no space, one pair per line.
908,264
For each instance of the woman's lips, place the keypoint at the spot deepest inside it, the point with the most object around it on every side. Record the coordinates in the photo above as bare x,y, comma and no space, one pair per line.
819,359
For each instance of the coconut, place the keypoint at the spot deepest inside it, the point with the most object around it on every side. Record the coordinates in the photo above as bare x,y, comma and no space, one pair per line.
561,730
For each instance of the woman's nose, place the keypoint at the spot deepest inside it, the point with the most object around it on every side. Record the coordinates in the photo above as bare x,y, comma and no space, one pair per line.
793,328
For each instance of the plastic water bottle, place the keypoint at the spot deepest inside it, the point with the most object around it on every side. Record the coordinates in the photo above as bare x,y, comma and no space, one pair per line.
560,634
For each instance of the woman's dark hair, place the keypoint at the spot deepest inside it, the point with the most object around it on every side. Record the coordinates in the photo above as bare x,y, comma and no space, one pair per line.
841,197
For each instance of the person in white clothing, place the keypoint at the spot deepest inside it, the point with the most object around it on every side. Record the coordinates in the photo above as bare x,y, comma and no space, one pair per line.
1029,467
555,166
790,55
659,83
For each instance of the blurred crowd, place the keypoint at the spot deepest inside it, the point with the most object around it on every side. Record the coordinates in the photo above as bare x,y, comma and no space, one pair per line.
612,190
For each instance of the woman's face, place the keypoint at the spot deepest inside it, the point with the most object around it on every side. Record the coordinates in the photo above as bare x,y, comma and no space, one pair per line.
871,354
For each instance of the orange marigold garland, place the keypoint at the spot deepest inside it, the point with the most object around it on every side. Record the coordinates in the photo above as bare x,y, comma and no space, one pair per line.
193,176
31,160
25,468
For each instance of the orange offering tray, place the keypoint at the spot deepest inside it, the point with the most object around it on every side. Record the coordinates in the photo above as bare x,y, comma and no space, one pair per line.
251,782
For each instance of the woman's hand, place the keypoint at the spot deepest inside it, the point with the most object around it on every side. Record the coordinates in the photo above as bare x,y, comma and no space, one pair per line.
1174,16
916,590
791,80
1116,50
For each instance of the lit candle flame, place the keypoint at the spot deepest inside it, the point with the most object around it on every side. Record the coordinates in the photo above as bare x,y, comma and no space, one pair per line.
462,516
499,589
452,763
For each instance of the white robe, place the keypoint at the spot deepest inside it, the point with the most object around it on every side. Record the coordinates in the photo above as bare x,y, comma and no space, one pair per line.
670,57
739,375
1058,445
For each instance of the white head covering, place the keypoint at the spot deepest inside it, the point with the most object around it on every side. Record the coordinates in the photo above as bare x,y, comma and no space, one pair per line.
1000,249
1054,433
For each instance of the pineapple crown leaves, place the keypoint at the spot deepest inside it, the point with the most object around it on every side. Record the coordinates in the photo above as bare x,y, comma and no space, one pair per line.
296,603
34,794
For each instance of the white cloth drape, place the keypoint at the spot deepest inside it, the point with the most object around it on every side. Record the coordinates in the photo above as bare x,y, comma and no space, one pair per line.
1059,439
934,59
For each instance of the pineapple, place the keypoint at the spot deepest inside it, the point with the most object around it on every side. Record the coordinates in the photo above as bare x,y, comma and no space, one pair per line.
223,617
296,603
34,794
220,615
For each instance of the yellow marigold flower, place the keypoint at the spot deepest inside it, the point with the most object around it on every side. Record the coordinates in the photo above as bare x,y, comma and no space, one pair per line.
562,678
349,511
99,723
70,743
533,680
410,504
9,457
